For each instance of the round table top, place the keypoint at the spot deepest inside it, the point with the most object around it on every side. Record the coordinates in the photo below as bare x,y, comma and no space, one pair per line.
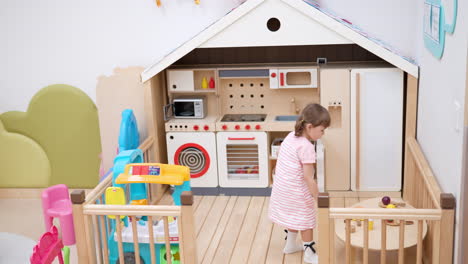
393,232
15,248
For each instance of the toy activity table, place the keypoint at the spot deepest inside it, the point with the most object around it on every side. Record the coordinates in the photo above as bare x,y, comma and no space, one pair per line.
392,245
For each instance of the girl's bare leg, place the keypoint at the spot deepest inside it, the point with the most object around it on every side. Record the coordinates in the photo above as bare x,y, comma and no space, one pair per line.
307,235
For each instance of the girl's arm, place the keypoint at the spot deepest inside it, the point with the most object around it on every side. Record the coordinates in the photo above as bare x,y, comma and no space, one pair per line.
309,172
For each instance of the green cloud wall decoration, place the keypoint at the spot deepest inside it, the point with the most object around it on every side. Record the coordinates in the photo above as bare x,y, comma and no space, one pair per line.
63,121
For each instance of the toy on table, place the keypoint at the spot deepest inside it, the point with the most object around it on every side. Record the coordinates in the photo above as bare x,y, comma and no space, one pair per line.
143,173
387,203
50,247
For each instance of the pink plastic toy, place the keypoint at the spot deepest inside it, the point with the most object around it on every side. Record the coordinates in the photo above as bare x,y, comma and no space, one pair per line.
56,203
48,248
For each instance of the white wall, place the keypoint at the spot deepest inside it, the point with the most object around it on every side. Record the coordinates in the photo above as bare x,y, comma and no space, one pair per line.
73,42
441,85
392,21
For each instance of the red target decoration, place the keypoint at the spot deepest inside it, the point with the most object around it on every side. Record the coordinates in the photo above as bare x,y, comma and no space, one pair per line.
193,156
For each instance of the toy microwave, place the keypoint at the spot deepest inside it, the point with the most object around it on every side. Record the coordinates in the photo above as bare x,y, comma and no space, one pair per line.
186,107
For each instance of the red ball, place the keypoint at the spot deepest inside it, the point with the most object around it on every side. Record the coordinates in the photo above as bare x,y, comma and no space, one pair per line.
386,200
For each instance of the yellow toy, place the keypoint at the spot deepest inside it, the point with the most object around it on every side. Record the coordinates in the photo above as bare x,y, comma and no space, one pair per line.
391,206
176,175
115,195
154,173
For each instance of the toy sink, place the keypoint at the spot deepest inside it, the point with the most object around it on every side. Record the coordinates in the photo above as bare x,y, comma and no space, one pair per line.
287,118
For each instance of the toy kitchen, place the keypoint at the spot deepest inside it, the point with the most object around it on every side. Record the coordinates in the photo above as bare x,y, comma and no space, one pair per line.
226,124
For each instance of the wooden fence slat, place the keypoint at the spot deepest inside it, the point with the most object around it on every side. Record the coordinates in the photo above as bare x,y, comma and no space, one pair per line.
97,238
151,239
365,250
420,242
119,239
166,240
401,249
332,242
102,223
383,251
136,245
90,239
348,241
436,243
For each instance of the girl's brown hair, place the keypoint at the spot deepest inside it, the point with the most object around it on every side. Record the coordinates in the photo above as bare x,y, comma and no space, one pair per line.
314,114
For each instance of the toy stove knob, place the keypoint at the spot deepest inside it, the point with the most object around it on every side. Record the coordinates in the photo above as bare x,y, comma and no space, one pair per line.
273,75
224,127
206,127
237,127
247,127
258,127
195,127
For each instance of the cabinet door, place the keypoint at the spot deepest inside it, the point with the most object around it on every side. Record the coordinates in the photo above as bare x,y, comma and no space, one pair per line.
180,80
334,95
376,129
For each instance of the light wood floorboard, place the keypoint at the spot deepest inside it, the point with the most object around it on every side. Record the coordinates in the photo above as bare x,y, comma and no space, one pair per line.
237,230
229,239
261,241
213,246
248,230
212,222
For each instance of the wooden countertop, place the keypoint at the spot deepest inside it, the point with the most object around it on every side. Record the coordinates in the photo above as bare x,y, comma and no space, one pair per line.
270,125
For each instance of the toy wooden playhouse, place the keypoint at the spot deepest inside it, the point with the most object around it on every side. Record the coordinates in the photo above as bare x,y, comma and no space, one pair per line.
253,71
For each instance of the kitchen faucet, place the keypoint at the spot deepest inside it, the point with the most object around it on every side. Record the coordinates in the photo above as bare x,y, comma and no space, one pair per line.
293,102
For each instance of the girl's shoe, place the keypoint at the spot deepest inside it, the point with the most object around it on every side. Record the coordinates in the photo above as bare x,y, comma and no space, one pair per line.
310,255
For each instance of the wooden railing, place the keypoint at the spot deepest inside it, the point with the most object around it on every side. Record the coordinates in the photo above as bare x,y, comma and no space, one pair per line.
422,191
92,226
146,148
432,207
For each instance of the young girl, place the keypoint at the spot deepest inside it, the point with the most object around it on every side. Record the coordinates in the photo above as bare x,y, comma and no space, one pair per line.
294,193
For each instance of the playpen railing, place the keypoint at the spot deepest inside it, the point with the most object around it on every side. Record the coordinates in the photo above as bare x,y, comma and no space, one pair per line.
327,217
92,226
146,148
420,190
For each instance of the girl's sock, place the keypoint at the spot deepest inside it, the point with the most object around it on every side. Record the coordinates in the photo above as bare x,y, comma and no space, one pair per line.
310,255
291,243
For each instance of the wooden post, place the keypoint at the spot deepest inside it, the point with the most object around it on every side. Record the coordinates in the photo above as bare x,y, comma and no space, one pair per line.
78,198
383,251
365,253
323,230
447,223
188,237
410,132
349,257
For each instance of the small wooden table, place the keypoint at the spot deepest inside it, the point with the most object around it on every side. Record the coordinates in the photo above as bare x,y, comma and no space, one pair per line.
357,238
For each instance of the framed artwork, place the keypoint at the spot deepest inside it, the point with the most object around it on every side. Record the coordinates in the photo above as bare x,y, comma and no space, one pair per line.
439,18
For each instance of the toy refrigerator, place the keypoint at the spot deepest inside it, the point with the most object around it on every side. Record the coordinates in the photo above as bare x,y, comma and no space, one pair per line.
376,129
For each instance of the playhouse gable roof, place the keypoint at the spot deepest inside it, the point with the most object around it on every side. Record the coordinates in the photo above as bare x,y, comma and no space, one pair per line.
302,23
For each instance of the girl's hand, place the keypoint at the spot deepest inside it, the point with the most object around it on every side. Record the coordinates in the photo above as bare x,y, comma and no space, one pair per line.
309,172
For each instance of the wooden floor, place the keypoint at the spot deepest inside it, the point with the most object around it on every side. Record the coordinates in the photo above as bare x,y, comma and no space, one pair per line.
236,230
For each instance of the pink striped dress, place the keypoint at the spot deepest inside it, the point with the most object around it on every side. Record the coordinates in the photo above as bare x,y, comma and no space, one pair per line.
291,204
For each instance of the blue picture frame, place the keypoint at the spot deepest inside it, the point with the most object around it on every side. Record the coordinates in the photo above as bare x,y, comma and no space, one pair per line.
435,26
